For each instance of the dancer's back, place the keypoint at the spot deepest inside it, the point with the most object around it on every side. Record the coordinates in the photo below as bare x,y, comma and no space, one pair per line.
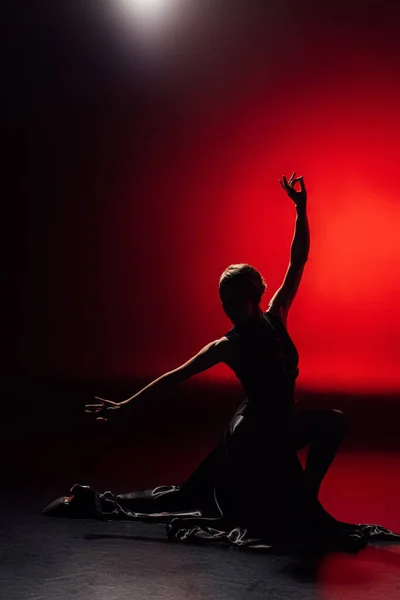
265,360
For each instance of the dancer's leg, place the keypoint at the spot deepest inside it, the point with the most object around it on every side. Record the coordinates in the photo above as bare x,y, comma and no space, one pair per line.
324,430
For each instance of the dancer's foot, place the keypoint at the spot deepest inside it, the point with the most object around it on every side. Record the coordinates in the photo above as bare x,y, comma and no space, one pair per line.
83,503
324,539
318,514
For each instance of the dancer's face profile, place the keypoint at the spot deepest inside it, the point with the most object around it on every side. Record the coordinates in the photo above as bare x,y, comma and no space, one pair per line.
236,306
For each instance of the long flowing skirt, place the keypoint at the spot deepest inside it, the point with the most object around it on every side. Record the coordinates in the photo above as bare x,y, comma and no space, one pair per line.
249,491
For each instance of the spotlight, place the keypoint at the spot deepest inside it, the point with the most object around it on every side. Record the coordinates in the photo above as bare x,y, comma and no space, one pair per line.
149,10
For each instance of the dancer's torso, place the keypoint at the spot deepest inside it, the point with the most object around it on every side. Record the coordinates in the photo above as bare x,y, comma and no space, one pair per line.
265,360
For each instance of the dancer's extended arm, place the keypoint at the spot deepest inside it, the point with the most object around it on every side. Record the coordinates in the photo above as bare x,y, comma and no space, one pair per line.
210,355
283,297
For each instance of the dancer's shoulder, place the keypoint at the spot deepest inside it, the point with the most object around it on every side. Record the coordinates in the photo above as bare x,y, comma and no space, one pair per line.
228,351
277,313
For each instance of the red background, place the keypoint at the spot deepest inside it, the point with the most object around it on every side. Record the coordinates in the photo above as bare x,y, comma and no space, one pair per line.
142,171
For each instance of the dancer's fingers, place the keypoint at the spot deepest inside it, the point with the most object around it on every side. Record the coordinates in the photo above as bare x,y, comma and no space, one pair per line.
94,409
105,400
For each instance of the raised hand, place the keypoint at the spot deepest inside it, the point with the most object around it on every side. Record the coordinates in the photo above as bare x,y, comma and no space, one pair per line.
102,409
298,197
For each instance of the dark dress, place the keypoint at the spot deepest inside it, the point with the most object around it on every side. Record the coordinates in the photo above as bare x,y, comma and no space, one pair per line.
249,491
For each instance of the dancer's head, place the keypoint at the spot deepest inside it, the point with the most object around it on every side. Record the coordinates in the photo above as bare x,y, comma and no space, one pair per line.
241,288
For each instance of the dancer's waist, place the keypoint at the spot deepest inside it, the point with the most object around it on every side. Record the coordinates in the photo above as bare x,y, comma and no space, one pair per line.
274,409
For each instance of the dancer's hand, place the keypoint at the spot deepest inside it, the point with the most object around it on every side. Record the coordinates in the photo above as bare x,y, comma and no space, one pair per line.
298,197
102,409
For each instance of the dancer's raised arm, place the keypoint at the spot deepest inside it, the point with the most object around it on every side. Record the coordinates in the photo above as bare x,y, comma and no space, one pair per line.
283,297
210,355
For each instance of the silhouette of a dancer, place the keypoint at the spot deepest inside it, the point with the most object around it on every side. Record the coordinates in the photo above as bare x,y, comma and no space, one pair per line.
251,490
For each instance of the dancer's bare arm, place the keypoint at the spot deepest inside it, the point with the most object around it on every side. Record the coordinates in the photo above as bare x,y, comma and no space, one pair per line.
283,297
282,300
210,355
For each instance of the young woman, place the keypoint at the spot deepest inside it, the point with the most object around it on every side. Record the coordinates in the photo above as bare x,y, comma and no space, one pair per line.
251,490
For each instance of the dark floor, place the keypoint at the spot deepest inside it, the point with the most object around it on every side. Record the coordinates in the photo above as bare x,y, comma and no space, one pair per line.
48,446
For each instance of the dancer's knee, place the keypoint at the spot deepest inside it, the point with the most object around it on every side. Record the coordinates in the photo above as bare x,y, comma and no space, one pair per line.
337,423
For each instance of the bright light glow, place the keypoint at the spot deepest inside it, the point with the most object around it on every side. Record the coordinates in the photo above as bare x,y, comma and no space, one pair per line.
147,11
147,6
149,20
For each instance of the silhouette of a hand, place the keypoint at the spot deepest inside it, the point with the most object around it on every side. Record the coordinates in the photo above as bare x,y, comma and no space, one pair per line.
103,409
298,197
